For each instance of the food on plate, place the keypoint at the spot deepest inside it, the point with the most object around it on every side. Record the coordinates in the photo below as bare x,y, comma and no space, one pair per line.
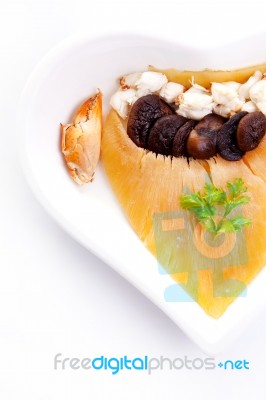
175,133
206,206
202,140
81,140
207,76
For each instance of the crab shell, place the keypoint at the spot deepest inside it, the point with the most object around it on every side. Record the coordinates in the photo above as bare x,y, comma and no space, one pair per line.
81,140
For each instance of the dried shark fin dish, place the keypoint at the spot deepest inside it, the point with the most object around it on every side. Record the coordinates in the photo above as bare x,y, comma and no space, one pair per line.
153,162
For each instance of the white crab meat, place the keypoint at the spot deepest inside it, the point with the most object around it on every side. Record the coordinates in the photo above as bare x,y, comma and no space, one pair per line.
229,109
152,81
245,88
233,85
121,100
195,103
141,93
129,81
195,88
249,106
170,91
257,94
226,97
223,93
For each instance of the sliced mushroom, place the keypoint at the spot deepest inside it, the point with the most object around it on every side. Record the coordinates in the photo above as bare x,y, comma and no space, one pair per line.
163,132
251,130
211,121
201,143
201,146
180,140
226,139
144,113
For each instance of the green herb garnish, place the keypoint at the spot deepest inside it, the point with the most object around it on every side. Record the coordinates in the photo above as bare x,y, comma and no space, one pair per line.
217,202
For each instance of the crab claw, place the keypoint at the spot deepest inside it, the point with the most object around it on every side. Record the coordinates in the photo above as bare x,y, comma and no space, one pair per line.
81,140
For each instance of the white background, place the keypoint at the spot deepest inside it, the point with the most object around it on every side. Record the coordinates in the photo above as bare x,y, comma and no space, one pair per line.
55,297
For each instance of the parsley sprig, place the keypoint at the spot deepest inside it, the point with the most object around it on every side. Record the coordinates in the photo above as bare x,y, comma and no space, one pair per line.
217,202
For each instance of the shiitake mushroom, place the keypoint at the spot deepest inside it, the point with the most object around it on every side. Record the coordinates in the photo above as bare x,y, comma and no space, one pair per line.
250,131
211,121
144,113
201,143
180,139
161,135
153,124
226,139
201,146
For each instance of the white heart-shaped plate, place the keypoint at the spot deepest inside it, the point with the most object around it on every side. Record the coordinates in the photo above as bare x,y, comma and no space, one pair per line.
68,75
